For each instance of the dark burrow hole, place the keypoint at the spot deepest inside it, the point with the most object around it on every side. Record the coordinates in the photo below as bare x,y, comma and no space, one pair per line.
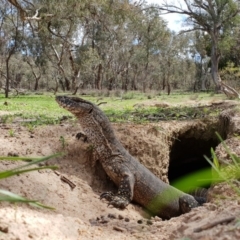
187,157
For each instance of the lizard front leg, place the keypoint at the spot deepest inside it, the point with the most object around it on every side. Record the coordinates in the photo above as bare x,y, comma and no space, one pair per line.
125,192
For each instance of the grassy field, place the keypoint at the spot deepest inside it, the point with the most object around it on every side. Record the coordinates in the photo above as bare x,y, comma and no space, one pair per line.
43,109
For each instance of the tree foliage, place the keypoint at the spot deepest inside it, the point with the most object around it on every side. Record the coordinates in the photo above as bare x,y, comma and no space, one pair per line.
116,45
215,17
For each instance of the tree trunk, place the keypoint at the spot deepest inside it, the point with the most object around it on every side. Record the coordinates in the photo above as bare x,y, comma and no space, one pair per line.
36,83
168,88
215,56
67,83
125,79
7,78
7,72
164,81
133,82
110,83
77,86
62,85
98,78
203,83
75,77
56,87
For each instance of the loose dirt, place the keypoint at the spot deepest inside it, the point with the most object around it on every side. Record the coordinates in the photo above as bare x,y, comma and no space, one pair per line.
79,213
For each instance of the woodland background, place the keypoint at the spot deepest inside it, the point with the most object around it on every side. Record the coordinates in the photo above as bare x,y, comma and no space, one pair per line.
117,45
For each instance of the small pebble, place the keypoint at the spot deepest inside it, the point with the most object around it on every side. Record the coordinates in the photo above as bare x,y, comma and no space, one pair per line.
157,219
13,154
93,222
149,222
113,216
4,229
140,221
127,220
120,217
104,220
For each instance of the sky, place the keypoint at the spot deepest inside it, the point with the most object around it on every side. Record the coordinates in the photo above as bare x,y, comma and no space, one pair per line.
175,21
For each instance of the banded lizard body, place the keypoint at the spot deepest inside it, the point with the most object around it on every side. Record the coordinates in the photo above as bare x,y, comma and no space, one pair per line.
135,182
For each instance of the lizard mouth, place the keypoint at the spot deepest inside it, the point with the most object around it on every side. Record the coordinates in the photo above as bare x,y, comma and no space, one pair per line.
74,104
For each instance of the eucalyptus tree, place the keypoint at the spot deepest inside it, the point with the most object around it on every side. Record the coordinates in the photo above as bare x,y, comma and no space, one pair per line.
100,43
12,35
200,52
150,38
55,24
96,23
215,17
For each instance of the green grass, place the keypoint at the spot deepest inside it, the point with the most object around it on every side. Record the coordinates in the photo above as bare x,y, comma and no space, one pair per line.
34,110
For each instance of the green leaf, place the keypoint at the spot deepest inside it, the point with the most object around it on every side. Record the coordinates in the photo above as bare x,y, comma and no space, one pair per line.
35,160
11,173
215,159
235,161
7,196
12,197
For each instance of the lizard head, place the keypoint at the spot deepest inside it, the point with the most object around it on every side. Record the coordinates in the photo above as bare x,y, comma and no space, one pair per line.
75,105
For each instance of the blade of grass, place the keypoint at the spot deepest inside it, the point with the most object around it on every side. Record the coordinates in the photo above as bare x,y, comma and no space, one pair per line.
228,151
215,160
11,173
38,160
11,197
215,168
222,177
7,196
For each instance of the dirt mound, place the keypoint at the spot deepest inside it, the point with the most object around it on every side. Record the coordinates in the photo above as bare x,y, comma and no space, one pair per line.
79,213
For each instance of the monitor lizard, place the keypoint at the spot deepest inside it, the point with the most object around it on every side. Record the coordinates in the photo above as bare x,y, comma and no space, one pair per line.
134,181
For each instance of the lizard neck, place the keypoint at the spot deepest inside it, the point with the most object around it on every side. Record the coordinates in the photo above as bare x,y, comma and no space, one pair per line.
97,138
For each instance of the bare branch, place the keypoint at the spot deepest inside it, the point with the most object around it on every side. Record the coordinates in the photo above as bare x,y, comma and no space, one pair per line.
20,9
34,17
23,13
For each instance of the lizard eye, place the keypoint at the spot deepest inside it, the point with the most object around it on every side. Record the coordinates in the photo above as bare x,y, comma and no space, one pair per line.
90,111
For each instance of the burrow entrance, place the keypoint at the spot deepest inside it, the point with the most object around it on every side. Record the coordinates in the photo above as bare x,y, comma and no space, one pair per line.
187,156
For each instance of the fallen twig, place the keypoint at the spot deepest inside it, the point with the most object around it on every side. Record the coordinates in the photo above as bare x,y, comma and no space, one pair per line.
119,229
71,184
57,173
213,224
64,179
101,103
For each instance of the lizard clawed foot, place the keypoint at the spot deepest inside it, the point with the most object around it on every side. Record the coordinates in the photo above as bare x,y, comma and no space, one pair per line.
81,136
116,201
107,195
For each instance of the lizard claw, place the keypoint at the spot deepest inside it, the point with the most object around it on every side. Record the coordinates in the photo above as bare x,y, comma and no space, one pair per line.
107,195
115,200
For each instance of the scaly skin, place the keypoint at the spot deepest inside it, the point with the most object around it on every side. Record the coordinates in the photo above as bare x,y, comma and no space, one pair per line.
134,181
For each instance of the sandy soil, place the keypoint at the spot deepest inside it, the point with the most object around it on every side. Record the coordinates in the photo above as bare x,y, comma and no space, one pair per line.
79,213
